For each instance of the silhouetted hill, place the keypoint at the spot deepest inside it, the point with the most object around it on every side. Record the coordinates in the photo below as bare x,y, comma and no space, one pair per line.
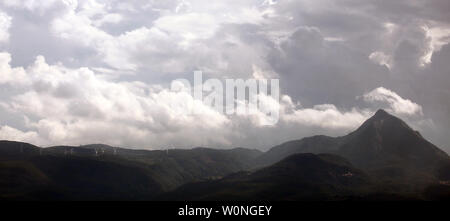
384,146
298,177
174,167
104,172
53,177
314,144
384,139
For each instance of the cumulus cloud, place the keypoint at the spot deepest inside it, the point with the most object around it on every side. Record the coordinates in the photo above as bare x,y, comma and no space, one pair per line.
8,74
78,106
75,105
5,23
394,102
107,64
381,58
9,133
327,116
177,40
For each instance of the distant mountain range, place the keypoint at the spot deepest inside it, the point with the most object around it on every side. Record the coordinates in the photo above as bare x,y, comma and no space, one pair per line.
384,159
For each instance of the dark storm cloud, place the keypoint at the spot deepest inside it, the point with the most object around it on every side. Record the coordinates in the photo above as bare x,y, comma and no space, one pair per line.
311,67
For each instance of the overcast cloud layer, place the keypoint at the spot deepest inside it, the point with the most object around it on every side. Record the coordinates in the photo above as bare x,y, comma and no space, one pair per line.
97,71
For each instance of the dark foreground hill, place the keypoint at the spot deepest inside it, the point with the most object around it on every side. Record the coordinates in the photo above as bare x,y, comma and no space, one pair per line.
99,172
298,177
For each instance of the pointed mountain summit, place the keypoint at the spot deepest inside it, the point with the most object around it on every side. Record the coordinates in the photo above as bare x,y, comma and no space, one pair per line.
381,114
382,120
383,145
385,139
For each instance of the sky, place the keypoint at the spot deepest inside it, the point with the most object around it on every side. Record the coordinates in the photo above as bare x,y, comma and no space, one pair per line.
77,72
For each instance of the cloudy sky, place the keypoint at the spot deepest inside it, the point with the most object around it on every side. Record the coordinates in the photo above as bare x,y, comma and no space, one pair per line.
98,71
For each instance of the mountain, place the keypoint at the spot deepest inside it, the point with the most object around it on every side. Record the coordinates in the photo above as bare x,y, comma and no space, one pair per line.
297,177
384,159
27,174
173,168
314,144
387,160
384,146
100,172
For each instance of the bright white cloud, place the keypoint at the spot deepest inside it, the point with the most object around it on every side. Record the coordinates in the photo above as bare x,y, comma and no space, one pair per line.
328,116
77,106
440,36
396,104
9,75
304,43
177,40
9,133
381,58
5,24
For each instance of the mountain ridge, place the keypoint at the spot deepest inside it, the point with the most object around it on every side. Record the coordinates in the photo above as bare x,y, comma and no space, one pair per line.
389,158
298,177
381,123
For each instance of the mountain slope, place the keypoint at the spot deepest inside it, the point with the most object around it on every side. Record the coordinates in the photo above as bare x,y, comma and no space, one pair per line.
384,139
314,144
384,146
383,157
298,177
104,172
28,174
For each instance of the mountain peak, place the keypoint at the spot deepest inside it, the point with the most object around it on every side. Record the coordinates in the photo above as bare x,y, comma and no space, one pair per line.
382,113
385,138
380,118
